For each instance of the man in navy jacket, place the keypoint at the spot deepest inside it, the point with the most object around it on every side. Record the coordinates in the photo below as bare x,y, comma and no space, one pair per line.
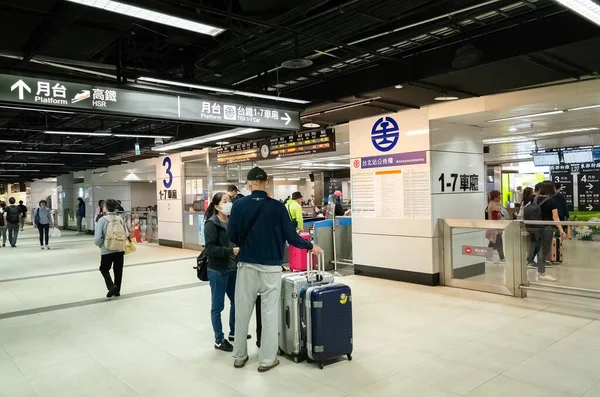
260,226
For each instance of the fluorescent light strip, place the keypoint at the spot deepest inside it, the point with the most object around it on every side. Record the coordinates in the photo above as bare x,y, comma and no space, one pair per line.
205,139
528,116
22,163
8,176
48,152
152,16
537,135
586,8
9,141
25,170
36,110
223,90
78,133
107,134
343,107
583,108
511,139
565,131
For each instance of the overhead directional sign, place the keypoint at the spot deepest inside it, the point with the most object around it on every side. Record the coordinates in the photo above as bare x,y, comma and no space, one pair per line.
589,189
562,176
62,94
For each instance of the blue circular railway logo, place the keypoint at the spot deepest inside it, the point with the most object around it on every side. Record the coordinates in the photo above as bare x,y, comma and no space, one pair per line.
385,134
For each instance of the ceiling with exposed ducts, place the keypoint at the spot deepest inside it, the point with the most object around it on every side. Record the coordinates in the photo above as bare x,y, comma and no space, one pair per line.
349,58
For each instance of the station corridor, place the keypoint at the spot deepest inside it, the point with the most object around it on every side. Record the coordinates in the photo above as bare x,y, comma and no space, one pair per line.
59,336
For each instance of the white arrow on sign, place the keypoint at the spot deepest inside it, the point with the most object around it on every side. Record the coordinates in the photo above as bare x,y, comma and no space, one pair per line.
590,207
287,118
589,186
21,86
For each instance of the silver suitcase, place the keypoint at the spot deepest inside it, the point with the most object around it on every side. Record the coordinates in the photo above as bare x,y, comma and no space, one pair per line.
290,338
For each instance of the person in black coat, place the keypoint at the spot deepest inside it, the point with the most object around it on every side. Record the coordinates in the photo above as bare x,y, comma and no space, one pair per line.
222,267
561,201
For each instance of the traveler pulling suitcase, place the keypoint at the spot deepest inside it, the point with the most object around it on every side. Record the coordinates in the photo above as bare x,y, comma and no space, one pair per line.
298,257
327,314
290,341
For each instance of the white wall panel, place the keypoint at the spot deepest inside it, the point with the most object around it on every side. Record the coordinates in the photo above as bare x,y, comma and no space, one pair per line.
394,252
170,231
390,226
450,137
170,211
457,206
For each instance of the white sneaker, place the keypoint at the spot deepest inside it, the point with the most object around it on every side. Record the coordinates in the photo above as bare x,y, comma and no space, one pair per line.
546,277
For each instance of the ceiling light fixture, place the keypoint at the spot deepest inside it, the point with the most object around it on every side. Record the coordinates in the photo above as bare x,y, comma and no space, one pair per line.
513,129
152,16
399,86
78,133
48,152
446,98
510,139
25,170
9,176
342,107
221,143
222,90
527,116
36,110
586,8
9,141
142,136
206,139
573,130
583,108
311,125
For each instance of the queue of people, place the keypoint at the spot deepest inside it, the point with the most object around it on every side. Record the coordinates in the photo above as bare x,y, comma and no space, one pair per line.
245,238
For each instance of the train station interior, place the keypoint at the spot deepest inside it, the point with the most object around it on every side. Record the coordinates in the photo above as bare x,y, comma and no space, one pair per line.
438,162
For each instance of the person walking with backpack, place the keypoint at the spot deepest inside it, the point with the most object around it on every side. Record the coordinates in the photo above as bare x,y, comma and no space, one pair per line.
42,219
23,209
543,208
12,219
111,237
2,223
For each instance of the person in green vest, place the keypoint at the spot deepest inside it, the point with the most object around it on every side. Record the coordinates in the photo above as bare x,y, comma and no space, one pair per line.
294,208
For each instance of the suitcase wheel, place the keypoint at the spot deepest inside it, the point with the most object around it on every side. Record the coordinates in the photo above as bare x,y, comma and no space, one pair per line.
349,357
321,366
296,359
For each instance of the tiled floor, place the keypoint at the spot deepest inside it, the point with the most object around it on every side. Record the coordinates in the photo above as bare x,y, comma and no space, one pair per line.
156,339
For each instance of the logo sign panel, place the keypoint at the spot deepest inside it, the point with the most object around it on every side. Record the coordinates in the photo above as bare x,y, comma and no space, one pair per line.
471,250
45,91
385,134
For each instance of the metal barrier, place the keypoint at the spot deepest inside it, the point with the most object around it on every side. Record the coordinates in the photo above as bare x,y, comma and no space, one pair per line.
144,221
342,243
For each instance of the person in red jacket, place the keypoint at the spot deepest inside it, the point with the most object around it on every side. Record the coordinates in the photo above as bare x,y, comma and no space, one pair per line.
494,212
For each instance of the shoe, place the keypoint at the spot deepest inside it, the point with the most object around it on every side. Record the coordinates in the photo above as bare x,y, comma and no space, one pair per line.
265,369
240,363
112,292
502,261
232,337
13,246
531,265
224,346
47,247
548,264
117,294
546,277
258,343
42,247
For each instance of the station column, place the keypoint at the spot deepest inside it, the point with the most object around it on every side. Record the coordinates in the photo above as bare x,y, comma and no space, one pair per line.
169,190
407,172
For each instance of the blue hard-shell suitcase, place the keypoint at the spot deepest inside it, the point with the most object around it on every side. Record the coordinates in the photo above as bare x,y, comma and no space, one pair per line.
328,316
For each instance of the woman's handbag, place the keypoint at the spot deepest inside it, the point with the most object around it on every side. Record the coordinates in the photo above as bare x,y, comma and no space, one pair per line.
129,247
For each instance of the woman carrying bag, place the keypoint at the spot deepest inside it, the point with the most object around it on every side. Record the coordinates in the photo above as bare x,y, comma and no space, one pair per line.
42,218
222,267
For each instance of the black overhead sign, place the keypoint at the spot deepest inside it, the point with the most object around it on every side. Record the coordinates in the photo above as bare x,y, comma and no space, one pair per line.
281,146
62,94
589,188
563,177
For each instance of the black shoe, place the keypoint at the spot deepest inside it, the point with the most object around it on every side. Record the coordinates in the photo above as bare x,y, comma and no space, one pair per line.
232,338
112,292
118,293
258,343
224,346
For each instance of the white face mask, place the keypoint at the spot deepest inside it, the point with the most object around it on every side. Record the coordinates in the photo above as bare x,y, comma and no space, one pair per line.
226,208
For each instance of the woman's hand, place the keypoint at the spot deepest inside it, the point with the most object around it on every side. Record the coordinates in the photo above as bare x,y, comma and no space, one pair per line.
236,251
563,235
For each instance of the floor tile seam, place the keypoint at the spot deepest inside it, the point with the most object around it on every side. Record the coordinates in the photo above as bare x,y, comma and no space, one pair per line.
539,385
430,383
90,270
20,371
487,346
114,374
404,376
89,302
596,384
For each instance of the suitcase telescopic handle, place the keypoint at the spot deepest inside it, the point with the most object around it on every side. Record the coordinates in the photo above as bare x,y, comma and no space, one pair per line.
319,271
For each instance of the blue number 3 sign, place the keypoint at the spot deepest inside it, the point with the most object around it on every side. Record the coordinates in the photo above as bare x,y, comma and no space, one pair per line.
167,182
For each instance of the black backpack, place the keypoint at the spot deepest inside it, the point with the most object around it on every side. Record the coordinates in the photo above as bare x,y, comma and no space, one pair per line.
533,211
12,214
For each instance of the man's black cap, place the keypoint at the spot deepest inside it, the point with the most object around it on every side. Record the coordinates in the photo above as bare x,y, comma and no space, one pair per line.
296,195
257,174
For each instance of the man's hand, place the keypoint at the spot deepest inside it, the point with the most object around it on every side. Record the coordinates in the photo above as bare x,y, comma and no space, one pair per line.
563,235
236,251
316,249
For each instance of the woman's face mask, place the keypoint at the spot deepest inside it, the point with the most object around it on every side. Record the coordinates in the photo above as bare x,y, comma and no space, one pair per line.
226,208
